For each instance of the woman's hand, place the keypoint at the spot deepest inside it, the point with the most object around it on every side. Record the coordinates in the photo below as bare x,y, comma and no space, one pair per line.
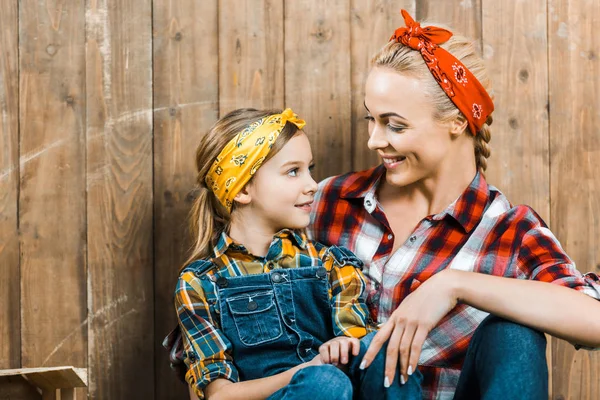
337,350
409,324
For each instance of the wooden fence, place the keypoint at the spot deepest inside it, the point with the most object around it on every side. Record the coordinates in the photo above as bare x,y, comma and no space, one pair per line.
104,101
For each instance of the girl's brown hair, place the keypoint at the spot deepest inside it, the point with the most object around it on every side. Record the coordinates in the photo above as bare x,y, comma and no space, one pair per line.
208,218
405,60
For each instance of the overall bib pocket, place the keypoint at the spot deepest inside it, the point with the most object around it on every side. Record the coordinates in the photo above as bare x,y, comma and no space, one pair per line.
255,317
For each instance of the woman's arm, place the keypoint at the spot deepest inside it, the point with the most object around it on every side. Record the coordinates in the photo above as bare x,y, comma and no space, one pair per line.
557,310
256,389
560,311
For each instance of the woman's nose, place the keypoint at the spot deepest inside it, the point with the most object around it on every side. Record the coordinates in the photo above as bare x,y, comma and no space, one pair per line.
377,139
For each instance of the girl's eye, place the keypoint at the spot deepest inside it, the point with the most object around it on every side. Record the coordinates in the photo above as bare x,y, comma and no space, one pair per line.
311,169
293,172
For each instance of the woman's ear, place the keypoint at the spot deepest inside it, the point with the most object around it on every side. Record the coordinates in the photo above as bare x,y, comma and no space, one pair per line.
458,125
243,197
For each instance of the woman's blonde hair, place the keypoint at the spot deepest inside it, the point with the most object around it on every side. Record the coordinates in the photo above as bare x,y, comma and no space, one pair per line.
208,218
407,61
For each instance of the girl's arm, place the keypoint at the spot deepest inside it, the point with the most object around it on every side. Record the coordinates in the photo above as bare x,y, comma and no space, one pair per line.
256,389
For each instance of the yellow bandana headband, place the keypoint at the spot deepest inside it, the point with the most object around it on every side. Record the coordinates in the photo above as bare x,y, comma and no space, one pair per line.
244,154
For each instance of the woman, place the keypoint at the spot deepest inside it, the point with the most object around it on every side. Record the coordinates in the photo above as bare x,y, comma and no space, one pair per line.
441,246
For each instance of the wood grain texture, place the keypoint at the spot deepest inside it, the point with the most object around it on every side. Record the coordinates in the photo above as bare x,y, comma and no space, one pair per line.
372,23
317,79
119,183
186,93
574,68
250,54
10,316
52,184
516,54
462,15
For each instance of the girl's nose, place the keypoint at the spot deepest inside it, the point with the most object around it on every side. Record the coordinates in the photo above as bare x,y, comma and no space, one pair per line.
312,185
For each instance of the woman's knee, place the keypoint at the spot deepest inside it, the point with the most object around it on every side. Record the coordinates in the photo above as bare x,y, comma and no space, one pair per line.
498,331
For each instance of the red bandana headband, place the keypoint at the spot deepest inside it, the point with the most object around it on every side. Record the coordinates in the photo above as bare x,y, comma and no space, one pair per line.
461,86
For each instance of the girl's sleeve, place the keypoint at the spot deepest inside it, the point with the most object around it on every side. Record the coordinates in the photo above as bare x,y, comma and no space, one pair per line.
348,292
207,352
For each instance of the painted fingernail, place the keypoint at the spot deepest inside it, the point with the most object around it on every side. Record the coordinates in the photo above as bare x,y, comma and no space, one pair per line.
409,372
402,381
363,364
386,382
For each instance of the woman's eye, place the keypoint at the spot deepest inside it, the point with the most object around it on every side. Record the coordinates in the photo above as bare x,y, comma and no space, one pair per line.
369,118
293,172
394,128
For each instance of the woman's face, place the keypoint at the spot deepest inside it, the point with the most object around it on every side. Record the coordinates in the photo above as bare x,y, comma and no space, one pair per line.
402,130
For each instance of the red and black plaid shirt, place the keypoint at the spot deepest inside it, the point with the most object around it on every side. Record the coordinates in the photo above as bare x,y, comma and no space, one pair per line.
480,232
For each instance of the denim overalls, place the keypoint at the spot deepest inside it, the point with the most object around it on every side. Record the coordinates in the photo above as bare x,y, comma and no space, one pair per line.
275,320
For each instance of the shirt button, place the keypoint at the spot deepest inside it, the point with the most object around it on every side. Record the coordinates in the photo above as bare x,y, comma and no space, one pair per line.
368,203
390,236
412,239
270,265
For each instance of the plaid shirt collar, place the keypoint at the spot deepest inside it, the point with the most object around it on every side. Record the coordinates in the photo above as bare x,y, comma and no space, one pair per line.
225,242
467,209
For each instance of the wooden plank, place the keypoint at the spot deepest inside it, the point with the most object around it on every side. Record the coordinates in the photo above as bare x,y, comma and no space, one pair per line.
518,66
372,23
186,97
56,377
317,79
119,162
464,16
574,65
52,193
16,387
10,320
250,54
67,394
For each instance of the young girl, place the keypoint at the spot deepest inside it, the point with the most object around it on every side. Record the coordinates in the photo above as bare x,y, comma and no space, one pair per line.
263,311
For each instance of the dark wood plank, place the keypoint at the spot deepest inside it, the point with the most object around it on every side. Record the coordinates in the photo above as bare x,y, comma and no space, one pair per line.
10,317
52,187
371,23
574,68
119,182
250,54
186,93
317,78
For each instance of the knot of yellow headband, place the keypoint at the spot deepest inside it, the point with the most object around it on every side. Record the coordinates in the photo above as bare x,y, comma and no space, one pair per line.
243,155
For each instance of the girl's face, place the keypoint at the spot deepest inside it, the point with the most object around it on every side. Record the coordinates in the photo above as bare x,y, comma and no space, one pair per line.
402,130
282,190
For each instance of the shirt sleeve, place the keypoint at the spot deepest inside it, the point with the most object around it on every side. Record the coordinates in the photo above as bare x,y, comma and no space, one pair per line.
348,292
207,351
542,258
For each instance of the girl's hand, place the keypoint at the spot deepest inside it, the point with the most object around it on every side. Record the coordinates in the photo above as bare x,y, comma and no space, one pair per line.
409,324
337,350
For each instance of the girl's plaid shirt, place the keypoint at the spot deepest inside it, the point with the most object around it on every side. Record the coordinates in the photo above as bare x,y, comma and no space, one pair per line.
480,232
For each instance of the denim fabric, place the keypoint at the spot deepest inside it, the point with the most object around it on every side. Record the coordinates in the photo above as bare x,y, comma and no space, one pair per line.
506,361
275,321
278,320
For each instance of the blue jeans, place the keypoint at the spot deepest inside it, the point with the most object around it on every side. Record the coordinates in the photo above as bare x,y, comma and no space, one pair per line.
328,382
505,361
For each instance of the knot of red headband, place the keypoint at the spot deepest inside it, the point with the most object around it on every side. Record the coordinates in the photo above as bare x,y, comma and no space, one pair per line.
459,84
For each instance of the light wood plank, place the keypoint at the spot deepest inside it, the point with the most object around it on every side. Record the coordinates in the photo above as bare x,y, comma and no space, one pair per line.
317,79
186,93
10,320
119,182
574,68
52,193
250,54
372,23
